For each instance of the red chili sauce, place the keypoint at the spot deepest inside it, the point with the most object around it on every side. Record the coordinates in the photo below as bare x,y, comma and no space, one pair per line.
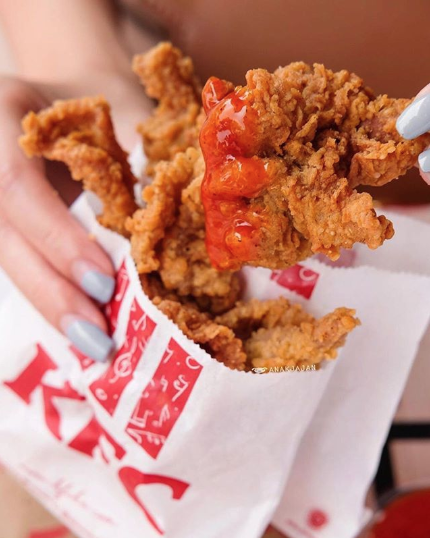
234,174
406,517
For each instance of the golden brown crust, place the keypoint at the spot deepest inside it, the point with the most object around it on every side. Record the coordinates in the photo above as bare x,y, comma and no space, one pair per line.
79,132
168,235
169,78
219,341
149,225
268,334
380,153
277,333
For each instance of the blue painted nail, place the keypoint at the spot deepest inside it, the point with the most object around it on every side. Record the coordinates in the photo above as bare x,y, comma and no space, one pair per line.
98,286
88,338
415,119
424,160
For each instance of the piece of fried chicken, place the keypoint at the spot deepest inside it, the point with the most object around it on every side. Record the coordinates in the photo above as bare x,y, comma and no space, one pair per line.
268,334
169,78
283,156
168,235
277,333
79,132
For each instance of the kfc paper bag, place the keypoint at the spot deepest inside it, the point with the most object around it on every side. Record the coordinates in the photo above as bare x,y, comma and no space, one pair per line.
164,440
339,453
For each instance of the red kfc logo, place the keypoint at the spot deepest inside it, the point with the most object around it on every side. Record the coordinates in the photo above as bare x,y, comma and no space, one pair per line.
89,439
132,479
164,399
298,278
109,387
31,377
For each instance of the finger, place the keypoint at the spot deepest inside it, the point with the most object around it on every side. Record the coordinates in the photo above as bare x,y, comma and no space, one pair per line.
29,202
59,301
424,91
415,119
424,164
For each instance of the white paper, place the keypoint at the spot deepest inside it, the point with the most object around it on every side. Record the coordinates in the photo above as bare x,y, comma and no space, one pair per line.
239,442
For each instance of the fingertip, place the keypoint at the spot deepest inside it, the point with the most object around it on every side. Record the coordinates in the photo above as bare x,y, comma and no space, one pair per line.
424,91
95,283
87,337
73,302
424,165
425,176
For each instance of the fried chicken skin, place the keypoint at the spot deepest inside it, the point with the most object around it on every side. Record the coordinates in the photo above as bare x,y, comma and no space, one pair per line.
168,235
79,133
277,333
283,154
168,77
268,334
217,339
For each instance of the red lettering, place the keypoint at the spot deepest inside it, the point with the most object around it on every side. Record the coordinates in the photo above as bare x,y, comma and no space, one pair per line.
89,438
30,378
109,387
52,416
132,478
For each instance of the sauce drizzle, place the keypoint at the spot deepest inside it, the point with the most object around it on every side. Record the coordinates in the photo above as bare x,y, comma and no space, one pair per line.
234,174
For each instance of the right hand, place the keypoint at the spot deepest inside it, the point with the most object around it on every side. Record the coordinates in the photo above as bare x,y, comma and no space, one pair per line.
415,121
43,249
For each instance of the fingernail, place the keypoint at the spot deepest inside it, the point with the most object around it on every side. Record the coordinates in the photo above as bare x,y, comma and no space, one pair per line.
415,119
87,337
424,160
95,283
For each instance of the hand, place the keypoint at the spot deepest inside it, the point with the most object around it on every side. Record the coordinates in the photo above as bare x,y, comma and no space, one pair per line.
415,121
44,250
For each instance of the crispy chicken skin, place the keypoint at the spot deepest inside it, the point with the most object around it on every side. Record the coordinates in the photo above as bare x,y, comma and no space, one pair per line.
319,134
283,155
168,77
277,333
269,334
168,235
80,133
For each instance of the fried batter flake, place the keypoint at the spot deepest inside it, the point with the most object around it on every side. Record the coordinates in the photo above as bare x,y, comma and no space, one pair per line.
79,133
169,78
